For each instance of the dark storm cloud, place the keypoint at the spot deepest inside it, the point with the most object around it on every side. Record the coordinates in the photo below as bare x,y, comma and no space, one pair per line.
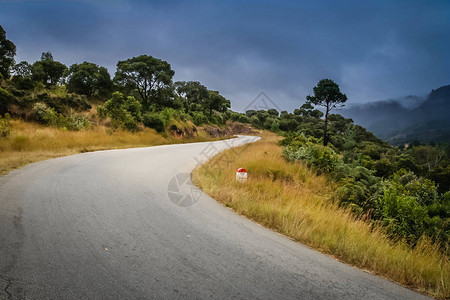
374,50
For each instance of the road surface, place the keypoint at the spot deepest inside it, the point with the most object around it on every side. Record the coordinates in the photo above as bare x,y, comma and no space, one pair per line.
114,224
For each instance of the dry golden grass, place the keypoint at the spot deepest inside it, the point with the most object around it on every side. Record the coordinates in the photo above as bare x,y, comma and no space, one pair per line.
294,201
30,142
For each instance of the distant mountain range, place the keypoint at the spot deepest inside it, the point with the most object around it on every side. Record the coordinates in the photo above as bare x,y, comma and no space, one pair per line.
404,120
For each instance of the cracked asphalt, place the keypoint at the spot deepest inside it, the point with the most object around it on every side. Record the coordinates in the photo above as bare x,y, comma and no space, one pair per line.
101,225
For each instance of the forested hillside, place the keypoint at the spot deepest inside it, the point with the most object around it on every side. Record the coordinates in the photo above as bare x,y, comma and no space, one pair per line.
141,94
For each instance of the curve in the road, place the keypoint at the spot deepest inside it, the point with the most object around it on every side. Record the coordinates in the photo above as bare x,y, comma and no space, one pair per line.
113,224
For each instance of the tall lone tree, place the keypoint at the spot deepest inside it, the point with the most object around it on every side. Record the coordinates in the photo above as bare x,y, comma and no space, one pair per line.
7,52
328,95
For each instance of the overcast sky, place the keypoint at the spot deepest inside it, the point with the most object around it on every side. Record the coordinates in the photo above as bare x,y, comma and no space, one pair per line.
375,50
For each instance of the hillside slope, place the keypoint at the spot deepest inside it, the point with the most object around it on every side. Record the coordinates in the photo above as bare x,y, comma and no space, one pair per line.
398,124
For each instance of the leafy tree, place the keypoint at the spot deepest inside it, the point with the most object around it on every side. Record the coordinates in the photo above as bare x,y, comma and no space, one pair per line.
150,77
273,112
46,56
250,113
22,78
89,79
327,94
23,69
7,53
47,70
217,102
304,110
427,157
192,92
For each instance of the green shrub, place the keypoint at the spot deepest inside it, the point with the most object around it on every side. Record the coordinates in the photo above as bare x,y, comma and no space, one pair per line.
199,118
124,112
322,158
6,98
383,167
358,187
155,121
76,122
402,214
243,118
5,126
48,116
44,114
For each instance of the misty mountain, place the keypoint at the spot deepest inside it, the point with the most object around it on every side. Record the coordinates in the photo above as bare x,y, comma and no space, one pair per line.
406,119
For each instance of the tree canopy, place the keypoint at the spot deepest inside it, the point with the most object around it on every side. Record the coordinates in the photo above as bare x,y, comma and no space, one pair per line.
47,70
192,93
150,77
328,95
89,79
7,53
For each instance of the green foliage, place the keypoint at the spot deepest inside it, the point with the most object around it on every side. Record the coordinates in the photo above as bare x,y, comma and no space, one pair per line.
48,116
160,120
379,181
5,126
7,53
441,176
427,157
155,121
402,214
328,95
358,187
216,102
124,112
47,70
322,158
22,78
383,167
195,98
6,99
89,79
150,77
243,119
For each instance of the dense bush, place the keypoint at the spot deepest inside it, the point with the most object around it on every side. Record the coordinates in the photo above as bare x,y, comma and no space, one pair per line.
48,116
358,187
124,112
155,121
322,158
5,127
402,214
199,118
6,99
44,114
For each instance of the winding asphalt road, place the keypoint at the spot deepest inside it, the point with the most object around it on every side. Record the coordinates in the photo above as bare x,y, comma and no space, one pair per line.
113,224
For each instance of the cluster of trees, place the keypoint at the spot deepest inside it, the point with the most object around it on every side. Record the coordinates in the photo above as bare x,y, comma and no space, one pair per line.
141,89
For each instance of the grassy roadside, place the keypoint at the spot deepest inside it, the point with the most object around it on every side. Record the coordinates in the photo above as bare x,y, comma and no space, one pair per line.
31,142
293,200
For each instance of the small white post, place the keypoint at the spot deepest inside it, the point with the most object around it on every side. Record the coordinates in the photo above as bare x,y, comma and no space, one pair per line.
241,175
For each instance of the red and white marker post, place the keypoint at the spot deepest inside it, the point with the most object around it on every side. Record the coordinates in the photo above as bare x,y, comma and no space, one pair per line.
241,175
